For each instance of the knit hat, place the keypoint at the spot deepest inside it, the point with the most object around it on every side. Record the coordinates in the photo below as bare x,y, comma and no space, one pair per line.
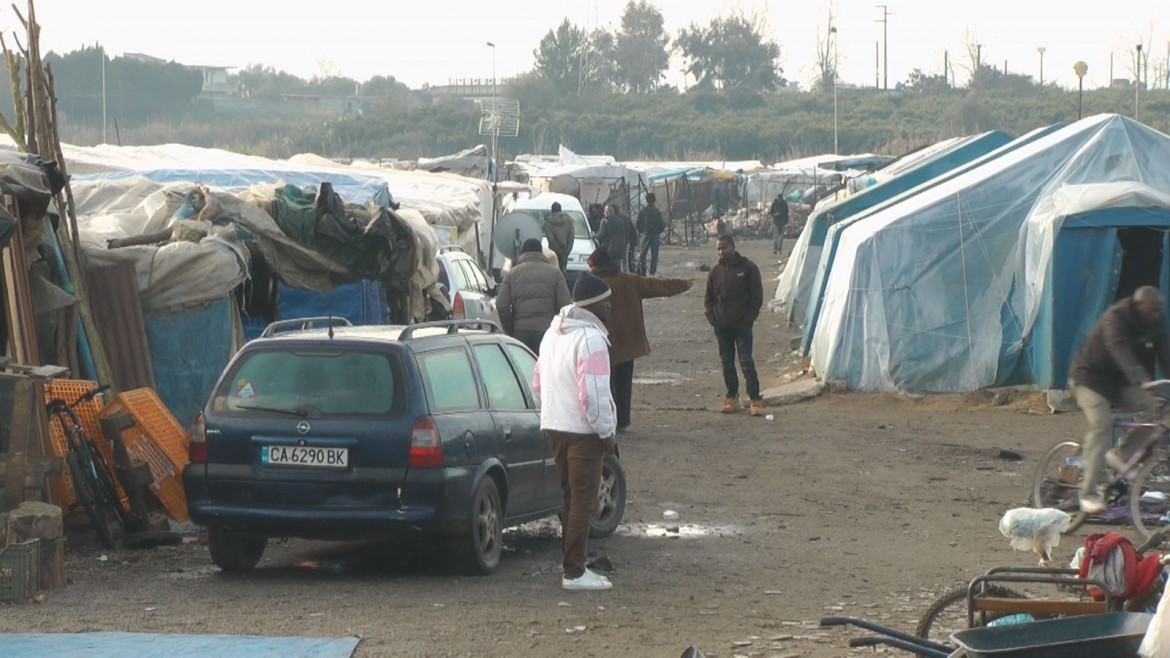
531,245
599,257
589,290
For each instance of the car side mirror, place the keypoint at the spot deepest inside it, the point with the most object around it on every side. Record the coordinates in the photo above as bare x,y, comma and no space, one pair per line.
494,289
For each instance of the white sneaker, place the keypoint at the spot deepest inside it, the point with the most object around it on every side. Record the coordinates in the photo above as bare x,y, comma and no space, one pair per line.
586,582
1092,505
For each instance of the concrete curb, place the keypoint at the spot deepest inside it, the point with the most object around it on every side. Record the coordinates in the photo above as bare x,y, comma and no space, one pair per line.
792,393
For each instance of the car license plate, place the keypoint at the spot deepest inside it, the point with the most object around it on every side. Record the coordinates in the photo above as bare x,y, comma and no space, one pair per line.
304,456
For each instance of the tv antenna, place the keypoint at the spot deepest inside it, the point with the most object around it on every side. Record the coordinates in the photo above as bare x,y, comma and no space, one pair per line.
499,117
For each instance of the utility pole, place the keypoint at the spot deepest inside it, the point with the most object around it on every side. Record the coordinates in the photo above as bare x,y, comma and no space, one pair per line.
1041,50
946,67
833,36
877,67
1137,83
884,20
103,55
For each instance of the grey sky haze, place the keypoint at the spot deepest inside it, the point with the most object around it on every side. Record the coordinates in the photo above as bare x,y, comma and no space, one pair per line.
433,41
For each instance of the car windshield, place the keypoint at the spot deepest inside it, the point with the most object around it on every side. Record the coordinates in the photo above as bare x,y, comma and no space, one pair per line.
580,225
341,383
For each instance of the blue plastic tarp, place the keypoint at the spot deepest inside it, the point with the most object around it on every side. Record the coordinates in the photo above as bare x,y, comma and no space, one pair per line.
154,645
188,350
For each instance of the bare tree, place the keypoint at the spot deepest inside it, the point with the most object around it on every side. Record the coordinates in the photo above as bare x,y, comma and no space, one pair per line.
974,51
827,57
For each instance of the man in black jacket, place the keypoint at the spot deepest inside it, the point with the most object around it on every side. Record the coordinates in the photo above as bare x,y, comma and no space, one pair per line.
650,225
735,294
1110,370
779,213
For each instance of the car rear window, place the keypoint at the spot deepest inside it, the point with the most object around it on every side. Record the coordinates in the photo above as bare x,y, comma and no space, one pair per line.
340,383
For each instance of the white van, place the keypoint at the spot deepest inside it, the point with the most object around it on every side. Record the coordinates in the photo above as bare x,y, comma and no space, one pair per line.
539,207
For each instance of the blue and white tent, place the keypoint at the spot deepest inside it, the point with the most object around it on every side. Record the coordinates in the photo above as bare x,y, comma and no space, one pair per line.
994,276
796,281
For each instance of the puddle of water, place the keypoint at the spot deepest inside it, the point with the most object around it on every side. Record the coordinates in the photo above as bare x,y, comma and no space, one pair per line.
660,378
683,530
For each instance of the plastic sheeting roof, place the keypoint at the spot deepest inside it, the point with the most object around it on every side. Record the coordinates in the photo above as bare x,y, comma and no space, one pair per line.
939,292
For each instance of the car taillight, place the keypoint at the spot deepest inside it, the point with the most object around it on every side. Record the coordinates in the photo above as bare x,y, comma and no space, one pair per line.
457,312
197,444
426,447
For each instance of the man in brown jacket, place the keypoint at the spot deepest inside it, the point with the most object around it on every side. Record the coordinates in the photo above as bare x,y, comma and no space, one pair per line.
735,293
1110,370
560,232
626,324
532,293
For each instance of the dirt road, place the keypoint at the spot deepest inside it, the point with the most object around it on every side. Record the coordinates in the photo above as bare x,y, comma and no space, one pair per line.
847,504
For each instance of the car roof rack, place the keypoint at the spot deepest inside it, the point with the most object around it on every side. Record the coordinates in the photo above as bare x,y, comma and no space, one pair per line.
301,324
452,326
451,247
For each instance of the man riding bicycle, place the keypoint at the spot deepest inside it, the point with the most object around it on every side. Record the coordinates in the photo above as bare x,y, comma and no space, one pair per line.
1109,371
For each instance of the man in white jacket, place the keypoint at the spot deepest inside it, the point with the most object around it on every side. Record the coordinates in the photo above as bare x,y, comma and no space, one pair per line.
578,415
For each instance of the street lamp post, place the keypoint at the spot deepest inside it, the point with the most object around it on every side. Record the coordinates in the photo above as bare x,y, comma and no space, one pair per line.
495,117
1041,50
1080,68
1137,84
833,36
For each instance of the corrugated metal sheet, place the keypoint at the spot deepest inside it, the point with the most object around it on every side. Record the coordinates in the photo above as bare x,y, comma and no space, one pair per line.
113,294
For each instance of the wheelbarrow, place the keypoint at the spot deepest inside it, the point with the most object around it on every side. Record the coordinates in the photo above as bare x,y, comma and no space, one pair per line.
1115,634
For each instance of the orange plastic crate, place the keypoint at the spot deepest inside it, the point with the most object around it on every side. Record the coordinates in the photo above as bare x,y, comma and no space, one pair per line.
159,440
87,415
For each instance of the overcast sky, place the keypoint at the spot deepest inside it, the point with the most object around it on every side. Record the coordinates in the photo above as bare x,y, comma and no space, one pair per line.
433,41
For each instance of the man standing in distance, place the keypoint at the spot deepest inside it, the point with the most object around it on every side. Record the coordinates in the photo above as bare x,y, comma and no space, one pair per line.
650,226
735,294
571,382
779,214
558,228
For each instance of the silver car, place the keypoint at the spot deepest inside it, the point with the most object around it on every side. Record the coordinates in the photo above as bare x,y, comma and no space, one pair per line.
470,292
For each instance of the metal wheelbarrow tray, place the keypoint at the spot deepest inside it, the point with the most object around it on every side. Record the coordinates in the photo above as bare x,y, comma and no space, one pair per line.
1108,635
1114,634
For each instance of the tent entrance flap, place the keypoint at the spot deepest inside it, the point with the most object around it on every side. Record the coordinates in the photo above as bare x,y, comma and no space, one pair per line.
1098,257
1142,260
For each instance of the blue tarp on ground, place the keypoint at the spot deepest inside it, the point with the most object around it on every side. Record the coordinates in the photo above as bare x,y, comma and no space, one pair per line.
154,645
188,350
944,292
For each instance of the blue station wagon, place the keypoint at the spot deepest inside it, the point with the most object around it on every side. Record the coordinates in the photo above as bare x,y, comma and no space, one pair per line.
363,432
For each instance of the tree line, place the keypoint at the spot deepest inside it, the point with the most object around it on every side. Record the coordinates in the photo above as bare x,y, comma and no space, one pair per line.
593,91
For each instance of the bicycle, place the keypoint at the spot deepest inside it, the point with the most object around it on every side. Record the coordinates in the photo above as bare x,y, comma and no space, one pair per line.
92,482
1058,478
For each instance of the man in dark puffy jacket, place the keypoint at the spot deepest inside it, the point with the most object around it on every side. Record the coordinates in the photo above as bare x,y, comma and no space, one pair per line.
1110,370
531,295
613,237
735,294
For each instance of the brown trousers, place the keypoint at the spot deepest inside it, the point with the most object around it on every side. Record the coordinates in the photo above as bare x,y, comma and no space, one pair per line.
579,458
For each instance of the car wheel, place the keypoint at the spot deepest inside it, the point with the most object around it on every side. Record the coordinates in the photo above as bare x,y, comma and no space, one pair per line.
231,551
479,548
611,499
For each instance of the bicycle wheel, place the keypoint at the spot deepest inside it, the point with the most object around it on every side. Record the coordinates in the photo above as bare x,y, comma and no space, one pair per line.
1058,481
84,488
1149,497
948,613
